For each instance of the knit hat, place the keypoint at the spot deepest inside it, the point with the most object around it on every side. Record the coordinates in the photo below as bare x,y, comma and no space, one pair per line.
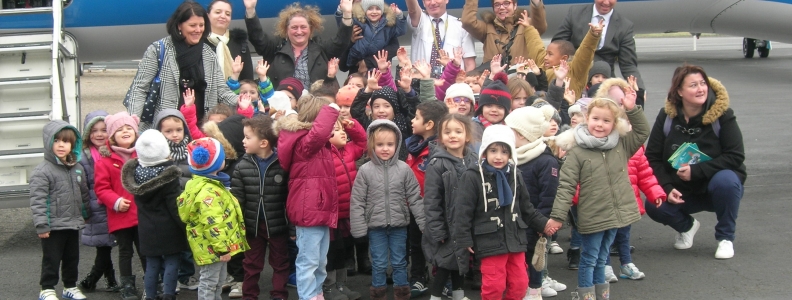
386,93
206,156
529,122
90,120
346,95
461,90
152,148
369,3
550,113
118,120
230,133
599,67
593,90
580,106
497,133
496,93
280,101
292,85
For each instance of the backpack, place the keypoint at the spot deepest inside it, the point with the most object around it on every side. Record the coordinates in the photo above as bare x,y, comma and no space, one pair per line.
667,126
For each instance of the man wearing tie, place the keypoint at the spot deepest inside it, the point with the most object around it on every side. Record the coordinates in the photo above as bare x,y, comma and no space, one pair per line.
617,42
434,29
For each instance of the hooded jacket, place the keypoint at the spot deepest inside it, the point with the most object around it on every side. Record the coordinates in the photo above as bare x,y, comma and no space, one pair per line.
59,197
725,148
384,191
494,34
256,194
375,37
305,151
642,179
161,231
606,197
95,233
109,190
345,168
183,165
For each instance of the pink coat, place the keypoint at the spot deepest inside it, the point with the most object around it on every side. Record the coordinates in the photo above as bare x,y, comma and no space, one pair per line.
345,167
108,188
643,180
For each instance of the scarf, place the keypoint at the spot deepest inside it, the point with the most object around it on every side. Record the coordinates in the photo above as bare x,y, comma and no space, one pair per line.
301,68
223,54
486,123
416,145
144,174
179,150
95,155
505,194
530,151
191,73
584,139
222,177
125,153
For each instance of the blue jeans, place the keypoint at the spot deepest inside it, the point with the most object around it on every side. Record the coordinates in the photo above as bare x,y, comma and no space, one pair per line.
724,193
622,242
576,241
154,264
382,241
593,255
311,262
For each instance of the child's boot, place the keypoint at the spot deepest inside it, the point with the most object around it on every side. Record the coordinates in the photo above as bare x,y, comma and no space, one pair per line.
110,281
341,279
603,291
128,290
378,293
401,292
329,287
89,283
586,293
573,257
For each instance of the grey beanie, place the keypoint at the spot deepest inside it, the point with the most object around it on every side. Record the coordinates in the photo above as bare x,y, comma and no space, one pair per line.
599,67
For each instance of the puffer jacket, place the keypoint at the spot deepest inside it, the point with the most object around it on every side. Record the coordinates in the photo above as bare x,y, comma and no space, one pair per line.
186,174
375,37
256,194
215,225
160,230
642,179
541,178
494,34
345,167
606,197
109,190
384,191
59,197
305,151
726,147
442,181
95,233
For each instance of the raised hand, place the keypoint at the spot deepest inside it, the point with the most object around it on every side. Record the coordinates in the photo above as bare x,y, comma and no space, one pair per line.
250,8
444,59
439,82
458,53
524,20
453,107
495,65
189,97
629,103
519,60
382,60
405,79
244,101
237,66
532,65
424,69
404,59
261,69
596,29
633,82
460,76
357,33
561,71
344,5
483,77
395,9
569,95
347,123
332,67
372,84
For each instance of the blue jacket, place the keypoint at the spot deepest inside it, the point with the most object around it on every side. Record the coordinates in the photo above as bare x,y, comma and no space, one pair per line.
375,37
541,178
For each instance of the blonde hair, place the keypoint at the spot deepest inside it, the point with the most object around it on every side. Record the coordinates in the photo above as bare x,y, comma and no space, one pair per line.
608,104
308,107
309,12
372,138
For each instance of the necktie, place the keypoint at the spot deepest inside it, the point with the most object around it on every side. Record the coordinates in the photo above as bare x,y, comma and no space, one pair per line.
436,44
602,38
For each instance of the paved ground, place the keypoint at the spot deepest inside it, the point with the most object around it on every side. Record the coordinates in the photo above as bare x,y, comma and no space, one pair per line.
760,97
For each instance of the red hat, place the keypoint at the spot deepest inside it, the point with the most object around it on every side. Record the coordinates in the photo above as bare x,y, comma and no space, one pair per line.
346,95
291,85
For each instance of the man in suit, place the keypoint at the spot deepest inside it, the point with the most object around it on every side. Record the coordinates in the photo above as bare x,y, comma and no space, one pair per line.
617,42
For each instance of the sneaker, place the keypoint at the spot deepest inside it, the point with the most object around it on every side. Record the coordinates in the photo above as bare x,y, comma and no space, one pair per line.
630,271
191,284
555,248
292,280
236,291
447,291
417,288
725,250
533,294
548,292
555,285
609,276
73,293
684,240
229,283
47,295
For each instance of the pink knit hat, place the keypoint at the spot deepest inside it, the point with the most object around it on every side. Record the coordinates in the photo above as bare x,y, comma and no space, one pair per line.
118,120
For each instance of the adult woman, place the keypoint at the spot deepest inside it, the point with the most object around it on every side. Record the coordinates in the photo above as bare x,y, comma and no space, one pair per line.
697,111
294,51
228,44
187,63
499,30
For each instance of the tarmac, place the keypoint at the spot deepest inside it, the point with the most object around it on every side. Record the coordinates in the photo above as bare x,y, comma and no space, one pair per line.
760,96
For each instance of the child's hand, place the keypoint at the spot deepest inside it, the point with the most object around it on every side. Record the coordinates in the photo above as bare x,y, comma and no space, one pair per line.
43,235
332,67
569,96
460,77
395,9
658,202
534,68
524,20
629,103
552,226
404,60
261,106
347,123
470,249
561,72
683,172
244,101
458,53
189,97
443,58
439,82
675,197
596,29
633,82
357,33
519,60
372,84
225,258
483,78
276,114
382,60
405,79
124,205
237,66
495,65
345,6
424,69
453,107
261,69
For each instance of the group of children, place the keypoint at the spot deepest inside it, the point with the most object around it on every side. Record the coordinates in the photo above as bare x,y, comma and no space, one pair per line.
466,172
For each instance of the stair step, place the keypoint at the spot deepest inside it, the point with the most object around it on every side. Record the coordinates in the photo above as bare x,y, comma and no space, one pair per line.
25,80
23,153
23,115
24,48
27,117
25,11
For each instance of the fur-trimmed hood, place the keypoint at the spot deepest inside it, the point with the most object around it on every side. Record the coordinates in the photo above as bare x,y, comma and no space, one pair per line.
716,105
566,140
169,174
291,124
488,16
359,13
605,86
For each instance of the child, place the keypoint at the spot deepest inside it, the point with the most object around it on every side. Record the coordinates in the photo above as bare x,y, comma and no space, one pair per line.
520,90
379,23
59,209
492,201
463,97
448,162
356,80
260,185
606,199
258,93
344,98
578,111
383,189
95,233
599,72
217,114
122,218
172,124
341,243
312,204
154,181
493,106
215,225
294,89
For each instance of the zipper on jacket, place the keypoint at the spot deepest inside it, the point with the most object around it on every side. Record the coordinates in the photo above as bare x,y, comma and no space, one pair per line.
387,196
261,196
610,182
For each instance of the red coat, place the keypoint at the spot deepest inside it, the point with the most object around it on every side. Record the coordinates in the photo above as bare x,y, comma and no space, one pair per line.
304,150
418,166
108,188
345,168
643,180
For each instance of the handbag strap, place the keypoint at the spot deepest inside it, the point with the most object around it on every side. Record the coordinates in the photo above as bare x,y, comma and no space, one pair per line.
159,60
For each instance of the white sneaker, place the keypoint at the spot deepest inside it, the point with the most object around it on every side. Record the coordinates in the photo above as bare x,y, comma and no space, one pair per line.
236,291
47,295
73,293
229,283
555,248
548,292
725,250
684,240
555,285
192,284
609,275
630,271
533,294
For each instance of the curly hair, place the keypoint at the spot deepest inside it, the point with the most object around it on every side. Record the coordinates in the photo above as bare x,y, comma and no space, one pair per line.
309,12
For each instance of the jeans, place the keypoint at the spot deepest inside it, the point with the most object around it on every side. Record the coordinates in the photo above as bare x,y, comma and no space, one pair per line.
311,262
595,251
254,263
60,251
500,272
186,266
210,286
622,242
154,265
383,241
126,239
723,197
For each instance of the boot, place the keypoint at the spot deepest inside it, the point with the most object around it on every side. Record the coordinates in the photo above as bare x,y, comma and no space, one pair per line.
362,254
129,291
110,281
88,284
379,293
573,257
602,291
341,279
350,266
583,293
401,292
329,288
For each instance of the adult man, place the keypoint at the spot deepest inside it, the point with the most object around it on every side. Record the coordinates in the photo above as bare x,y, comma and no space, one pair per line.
434,29
617,41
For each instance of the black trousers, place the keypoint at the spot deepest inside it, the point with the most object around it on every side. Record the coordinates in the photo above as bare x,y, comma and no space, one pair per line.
126,239
235,268
417,259
440,279
337,254
61,250
103,261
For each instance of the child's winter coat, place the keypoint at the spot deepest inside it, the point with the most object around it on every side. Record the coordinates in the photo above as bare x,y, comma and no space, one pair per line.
265,91
540,175
262,186
375,36
178,161
109,190
642,179
345,167
95,233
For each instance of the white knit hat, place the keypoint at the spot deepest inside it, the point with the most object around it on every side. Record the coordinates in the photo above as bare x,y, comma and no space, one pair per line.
461,90
369,3
529,121
152,148
497,133
279,101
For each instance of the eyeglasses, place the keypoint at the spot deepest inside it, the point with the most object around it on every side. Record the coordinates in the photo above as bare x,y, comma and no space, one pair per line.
502,4
461,100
